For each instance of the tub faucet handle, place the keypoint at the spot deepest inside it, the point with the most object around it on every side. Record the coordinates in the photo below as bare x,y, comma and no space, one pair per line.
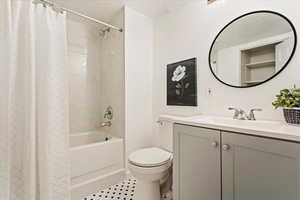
108,114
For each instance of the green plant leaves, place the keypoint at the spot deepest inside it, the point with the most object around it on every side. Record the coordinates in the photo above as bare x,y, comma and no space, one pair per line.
187,85
287,98
177,92
178,85
297,94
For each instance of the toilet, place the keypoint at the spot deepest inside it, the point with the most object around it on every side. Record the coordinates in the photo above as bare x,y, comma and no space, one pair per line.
149,166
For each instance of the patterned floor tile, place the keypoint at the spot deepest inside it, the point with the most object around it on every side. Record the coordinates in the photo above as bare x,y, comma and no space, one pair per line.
121,191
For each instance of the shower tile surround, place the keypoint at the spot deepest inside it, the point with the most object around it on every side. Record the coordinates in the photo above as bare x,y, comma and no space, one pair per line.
84,68
96,68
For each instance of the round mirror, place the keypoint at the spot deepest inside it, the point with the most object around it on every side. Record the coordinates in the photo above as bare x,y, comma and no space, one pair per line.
252,49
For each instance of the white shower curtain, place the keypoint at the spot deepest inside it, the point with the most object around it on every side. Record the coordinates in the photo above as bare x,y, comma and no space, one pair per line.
33,103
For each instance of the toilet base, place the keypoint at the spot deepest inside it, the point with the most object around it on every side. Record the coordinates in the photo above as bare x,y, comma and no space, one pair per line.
147,190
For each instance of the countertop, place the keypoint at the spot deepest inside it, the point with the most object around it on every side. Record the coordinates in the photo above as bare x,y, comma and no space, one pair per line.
262,128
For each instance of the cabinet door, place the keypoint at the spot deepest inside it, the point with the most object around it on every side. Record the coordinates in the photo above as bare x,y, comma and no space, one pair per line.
197,170
259,168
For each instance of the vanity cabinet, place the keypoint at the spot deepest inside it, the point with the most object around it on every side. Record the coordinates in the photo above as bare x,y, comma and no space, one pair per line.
197,163
259,168
214,165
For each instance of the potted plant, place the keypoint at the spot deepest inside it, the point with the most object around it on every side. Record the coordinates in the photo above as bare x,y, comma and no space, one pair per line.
289,100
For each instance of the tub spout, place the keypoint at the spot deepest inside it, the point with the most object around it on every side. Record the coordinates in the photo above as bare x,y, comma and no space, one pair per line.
106,124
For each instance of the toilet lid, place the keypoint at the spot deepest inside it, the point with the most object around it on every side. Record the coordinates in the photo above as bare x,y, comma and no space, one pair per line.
150,157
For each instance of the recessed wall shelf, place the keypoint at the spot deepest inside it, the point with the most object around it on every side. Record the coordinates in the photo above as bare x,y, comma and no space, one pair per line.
258,64
268,63
253,81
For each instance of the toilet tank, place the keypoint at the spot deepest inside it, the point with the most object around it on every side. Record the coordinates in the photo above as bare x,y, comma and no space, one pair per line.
165,136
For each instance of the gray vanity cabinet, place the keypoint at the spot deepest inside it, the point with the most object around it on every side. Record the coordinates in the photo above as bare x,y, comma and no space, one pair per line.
196,163
215,165
259,168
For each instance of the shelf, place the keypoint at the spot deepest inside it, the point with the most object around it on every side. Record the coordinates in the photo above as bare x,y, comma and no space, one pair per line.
269,63
254,81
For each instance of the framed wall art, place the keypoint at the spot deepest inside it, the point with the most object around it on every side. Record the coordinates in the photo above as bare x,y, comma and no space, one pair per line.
182,83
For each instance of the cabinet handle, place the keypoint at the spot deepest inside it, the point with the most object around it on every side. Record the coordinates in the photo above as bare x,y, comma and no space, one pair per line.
226,147
214,144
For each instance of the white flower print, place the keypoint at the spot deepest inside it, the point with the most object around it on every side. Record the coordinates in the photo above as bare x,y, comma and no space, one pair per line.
179,73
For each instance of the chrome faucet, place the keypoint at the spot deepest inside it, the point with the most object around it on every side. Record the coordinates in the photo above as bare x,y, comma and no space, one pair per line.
108,114
240,114
243,115
236,112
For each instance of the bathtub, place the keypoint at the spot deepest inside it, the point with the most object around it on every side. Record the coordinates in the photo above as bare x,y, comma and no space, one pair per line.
97,162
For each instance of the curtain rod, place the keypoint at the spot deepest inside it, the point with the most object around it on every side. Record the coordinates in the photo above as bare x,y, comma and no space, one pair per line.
78,14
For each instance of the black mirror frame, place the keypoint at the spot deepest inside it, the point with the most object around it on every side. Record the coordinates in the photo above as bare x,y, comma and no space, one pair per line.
244,15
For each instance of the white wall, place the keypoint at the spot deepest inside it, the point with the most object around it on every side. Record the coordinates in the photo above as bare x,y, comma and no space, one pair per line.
229,65
189,33
138,80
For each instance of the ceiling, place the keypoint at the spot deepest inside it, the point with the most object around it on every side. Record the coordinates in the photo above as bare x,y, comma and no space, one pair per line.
252,28
105,9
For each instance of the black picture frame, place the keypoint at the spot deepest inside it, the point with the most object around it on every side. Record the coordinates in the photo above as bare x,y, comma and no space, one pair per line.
182,89
244,15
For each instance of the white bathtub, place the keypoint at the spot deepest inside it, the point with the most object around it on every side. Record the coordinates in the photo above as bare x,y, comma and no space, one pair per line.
95,162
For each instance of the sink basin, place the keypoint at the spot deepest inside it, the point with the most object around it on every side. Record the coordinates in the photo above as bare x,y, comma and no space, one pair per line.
258,124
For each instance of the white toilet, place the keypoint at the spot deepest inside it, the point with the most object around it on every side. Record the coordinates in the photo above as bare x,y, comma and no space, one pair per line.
149,166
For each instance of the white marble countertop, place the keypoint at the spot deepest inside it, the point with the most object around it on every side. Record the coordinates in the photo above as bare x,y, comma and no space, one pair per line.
272,129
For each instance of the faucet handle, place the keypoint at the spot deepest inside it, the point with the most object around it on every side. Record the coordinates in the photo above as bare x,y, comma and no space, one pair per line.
233,108
237,112
251,114
108,114
256,109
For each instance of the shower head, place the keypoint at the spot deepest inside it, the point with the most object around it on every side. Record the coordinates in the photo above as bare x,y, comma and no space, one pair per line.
104,32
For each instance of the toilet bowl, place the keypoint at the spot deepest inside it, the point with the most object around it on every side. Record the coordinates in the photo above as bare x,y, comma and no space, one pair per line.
149,166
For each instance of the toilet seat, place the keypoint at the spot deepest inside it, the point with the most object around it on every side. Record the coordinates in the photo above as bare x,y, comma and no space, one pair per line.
149,157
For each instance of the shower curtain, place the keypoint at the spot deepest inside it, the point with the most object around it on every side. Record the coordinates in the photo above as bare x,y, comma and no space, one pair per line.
33,103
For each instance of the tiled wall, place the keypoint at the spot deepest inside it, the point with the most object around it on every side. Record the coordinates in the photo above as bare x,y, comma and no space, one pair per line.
112,76
85,76
96,64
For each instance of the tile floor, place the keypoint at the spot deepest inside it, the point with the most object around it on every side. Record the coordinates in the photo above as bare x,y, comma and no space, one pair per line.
124,190
121,191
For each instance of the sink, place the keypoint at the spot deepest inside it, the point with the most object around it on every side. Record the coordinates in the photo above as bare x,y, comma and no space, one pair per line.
225,121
